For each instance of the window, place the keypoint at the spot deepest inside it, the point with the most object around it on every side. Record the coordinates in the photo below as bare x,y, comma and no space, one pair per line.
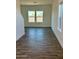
39,16
60,17
35,16
31,16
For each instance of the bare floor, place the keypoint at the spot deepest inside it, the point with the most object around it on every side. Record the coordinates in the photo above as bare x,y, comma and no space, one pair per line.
38,43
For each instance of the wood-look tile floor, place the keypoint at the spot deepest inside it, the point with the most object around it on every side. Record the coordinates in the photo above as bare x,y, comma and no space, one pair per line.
38,43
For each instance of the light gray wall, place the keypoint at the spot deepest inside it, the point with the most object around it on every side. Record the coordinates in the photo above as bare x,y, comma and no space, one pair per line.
47,15
19,21
54,21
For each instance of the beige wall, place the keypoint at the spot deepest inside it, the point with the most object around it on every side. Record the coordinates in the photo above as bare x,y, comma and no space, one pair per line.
47,15
19,21
54,22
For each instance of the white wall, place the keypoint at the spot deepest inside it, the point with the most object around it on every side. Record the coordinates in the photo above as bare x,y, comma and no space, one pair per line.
19,21
54,21
47,15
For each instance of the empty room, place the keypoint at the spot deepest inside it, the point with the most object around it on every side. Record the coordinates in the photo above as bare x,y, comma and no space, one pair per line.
39,29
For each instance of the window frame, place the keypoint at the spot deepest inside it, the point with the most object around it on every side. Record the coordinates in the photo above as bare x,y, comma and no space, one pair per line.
35,17
60,17
41,16
28,16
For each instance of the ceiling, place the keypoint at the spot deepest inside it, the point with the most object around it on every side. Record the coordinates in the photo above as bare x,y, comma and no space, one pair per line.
36,2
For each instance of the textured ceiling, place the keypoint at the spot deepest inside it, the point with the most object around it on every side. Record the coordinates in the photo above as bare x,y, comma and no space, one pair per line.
36,2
